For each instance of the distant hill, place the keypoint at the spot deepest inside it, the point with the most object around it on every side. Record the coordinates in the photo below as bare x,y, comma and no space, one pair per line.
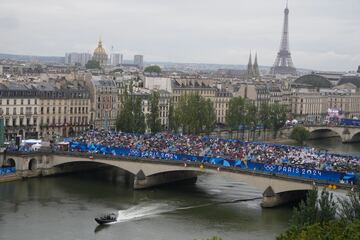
29,58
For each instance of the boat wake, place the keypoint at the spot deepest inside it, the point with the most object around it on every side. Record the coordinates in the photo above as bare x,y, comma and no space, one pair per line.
142,211
151,210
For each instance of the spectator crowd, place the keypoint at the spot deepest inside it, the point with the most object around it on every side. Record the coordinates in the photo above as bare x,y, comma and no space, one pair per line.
228,149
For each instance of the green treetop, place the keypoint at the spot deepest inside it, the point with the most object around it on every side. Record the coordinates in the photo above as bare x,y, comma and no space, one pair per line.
153,69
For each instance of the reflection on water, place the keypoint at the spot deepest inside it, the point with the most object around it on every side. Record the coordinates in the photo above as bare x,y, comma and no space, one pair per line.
64,207
335,145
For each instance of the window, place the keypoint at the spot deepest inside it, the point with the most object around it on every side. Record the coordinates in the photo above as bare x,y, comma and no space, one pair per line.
28,110
14,101
22,101
29,101
7,111
7,101
14,111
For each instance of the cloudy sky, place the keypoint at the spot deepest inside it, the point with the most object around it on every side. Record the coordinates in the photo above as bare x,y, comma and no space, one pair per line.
324,34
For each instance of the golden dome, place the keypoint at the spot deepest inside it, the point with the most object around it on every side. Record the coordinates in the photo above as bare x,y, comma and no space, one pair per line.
100,49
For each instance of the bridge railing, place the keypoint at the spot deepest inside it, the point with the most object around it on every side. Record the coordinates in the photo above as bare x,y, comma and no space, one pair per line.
291,171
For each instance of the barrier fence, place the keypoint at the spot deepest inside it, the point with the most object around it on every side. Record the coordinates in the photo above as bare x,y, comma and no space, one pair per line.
292,171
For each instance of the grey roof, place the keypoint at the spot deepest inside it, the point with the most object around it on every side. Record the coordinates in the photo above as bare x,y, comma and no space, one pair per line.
15,86
350,79
314,80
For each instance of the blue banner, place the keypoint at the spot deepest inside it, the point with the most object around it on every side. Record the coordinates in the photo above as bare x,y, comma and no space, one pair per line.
7,170
292,171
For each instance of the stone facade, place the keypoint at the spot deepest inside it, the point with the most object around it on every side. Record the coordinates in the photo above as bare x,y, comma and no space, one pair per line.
44,110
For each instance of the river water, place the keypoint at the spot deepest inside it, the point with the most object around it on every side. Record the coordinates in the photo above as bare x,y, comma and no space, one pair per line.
64,207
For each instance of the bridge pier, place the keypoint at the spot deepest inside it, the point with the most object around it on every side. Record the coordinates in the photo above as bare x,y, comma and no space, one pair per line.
141,181
272,199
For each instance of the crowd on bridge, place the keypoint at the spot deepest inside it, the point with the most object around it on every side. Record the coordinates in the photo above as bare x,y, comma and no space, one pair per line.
223,148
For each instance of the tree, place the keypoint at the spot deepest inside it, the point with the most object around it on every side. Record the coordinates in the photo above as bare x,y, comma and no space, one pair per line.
235,115
327,207
125,118
153,119
277,117
335,229
300,134
92,64
194,114
264,116
131,117
171,118
312,216
207,115
306,212
314,210
153,69
139,117
251,118
350,206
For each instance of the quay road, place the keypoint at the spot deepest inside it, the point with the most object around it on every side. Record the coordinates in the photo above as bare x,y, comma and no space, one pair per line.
274,181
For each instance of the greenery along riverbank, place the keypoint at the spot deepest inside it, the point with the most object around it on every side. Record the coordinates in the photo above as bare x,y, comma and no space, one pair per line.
194,114
325,218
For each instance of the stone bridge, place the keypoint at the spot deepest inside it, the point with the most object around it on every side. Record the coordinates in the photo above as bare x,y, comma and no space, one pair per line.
347,134
277,189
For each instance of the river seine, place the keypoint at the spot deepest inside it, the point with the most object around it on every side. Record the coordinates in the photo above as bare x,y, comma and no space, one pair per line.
64,207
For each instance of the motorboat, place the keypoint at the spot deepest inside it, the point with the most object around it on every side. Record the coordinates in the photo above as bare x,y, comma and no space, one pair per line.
106,219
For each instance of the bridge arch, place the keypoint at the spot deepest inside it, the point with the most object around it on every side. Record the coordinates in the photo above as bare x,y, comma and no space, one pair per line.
132,167
76,164
324,133
10,162
32,164
355,137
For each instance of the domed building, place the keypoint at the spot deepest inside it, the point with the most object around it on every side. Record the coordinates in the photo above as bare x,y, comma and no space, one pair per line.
100,54
313,81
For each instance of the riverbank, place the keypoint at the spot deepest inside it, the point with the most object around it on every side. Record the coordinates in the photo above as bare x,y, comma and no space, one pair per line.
286,141
10,178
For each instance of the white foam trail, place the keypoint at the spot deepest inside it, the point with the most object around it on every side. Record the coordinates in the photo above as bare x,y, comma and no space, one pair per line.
146,211
142,211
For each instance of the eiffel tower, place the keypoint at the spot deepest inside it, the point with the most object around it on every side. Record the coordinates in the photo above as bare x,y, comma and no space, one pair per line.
283,63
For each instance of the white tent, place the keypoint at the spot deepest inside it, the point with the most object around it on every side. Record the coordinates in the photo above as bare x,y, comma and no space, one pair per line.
36,147
31,141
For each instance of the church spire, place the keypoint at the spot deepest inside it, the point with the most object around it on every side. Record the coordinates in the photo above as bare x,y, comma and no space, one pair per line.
250,71
256,67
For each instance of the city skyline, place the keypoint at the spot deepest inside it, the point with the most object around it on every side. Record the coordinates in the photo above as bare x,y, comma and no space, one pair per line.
322,33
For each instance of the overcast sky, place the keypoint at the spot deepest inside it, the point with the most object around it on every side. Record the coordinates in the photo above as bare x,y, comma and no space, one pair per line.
324,34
